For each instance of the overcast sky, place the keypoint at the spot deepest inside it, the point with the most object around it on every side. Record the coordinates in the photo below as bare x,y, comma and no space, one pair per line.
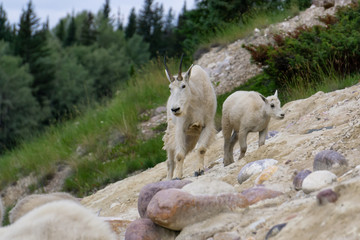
56,9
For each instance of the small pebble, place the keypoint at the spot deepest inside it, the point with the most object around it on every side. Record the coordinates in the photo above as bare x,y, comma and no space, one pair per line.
274,230
326,196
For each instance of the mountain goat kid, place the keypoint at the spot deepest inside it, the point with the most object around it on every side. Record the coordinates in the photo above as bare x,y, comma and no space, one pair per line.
191,110
245,112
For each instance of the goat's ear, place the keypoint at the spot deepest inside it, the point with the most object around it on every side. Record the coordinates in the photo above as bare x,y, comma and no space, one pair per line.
263,98
188,73
169,77
276,94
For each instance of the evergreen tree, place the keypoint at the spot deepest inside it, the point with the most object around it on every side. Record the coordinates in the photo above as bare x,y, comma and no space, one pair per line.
169,42
19,111
156,42
5,28
60,31
106,10
31,45
119,21
150,26
29,24
88,31
131,26
71,33
145,20
179,36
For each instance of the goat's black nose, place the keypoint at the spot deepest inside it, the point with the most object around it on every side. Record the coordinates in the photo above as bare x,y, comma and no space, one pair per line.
282,115
174,110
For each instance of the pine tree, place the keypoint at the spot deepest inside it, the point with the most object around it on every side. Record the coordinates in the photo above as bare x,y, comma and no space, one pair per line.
169,42
71,33
156,38
179,36
106,10
88,31
31,46
29,24
60,31
119,21
131,27
5,28
145,20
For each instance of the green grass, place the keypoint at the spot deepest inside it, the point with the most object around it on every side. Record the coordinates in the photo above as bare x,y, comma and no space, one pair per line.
91,175
148,89
300,88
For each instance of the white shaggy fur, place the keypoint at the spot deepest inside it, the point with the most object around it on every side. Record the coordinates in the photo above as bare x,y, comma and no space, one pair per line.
245,112
58,220
30,202
191,110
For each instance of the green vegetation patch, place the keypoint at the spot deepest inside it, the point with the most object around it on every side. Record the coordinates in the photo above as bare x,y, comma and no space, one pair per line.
91,175
310,53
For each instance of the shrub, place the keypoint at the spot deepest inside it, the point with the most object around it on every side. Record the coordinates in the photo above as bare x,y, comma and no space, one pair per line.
306,50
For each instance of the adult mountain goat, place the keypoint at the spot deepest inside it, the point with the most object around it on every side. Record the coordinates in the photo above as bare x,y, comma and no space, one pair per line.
191,110
245,112
30,202
58,220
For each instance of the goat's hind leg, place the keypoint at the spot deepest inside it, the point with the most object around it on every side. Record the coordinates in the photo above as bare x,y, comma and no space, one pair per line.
228,145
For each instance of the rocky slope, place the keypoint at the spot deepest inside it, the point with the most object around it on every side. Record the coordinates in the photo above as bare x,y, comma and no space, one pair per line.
323,121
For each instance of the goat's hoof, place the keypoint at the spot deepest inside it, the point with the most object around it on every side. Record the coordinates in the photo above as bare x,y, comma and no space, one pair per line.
176,178
199,173
227,163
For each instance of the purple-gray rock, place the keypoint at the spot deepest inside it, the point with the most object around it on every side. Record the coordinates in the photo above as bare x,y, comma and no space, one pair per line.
145,229
328,159
299,178
271,134
149,190
274,230
175,209
326,196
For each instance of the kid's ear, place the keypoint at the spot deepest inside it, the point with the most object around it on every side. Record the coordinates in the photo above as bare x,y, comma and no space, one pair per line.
263,98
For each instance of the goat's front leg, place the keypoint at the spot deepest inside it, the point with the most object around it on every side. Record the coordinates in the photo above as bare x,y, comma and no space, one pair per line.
262,136
180,151
204,141
170,164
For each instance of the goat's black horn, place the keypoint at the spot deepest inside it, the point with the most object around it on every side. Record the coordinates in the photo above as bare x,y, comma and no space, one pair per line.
179,75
